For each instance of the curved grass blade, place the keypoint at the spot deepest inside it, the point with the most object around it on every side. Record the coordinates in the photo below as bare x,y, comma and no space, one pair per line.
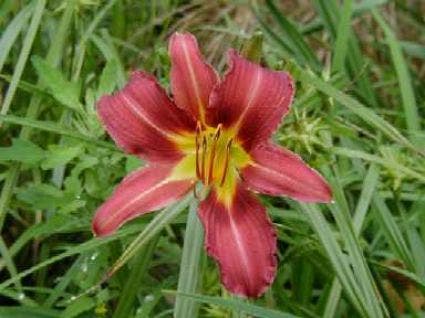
24,54
11,33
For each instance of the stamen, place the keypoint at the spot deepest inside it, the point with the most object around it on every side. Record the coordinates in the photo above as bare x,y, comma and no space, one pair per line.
198,134
212,155
226,162
204,154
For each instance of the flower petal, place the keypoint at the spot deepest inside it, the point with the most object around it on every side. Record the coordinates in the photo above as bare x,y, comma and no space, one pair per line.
240,236
143,191
278,171
252,99
143,120
192,79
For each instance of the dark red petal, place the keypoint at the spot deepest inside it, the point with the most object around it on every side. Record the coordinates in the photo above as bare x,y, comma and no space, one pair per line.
251,98
278,171
142,119
242,239
142,191
192,79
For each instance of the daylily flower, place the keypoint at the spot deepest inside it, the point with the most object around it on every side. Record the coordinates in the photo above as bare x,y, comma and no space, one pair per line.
216,131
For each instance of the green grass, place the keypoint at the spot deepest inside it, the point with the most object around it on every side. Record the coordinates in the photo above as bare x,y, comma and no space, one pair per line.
358,117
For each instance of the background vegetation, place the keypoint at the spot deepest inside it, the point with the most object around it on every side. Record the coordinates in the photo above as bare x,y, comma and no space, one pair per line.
357,117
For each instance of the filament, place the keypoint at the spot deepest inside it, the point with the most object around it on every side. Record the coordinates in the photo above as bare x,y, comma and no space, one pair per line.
204,154
198,133
212,155
226,162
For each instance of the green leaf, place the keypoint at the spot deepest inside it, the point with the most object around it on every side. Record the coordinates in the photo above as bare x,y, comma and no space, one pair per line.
295,40
54,128
134,280
403,75
154,227
365,113
28,312
65,92
23,55
59,155
392,232
22,151
77,307
237,305
108,79
190,265
342,37
42,196
11,32
252,48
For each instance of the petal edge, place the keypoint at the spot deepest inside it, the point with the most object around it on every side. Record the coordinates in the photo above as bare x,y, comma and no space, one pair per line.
278,171
192,79
241,238
143,191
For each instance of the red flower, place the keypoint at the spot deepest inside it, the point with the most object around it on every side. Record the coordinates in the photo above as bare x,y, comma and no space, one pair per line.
217,132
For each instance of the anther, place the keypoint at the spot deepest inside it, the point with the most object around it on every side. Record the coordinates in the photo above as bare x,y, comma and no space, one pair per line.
212,154
204,154
226,162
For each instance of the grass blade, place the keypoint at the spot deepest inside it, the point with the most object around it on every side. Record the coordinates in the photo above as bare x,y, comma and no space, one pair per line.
404,80
342,36
355,107
134,280
189,276
392,232
10,34
297,43
336,257
24,54
54,128
153,228
237,305
363,203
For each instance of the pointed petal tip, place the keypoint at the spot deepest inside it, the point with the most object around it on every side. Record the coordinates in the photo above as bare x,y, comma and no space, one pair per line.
242,239
278,171
179,37
192,78
143,191
252,98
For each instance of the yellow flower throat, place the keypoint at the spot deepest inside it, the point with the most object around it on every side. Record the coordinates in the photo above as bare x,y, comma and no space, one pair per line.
214,157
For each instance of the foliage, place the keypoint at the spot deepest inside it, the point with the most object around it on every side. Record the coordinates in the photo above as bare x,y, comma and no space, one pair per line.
357,117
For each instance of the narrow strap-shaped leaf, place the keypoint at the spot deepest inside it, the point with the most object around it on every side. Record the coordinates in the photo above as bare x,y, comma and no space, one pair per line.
237,305
23,56
190,265
404,80
134,280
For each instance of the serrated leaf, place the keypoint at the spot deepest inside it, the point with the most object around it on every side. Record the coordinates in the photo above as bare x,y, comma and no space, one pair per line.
42,196
22,151
108,79
65,92
59,155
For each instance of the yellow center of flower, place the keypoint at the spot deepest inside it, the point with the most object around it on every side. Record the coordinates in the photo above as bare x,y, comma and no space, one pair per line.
214,157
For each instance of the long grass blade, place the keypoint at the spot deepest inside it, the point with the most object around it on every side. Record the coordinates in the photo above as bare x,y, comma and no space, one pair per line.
190,265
